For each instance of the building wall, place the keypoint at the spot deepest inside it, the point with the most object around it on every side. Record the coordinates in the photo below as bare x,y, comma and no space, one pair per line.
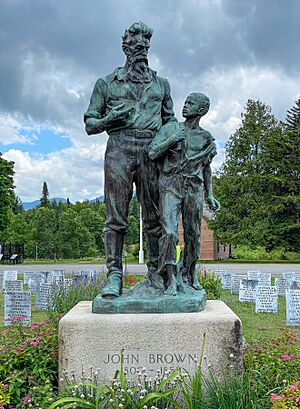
207,243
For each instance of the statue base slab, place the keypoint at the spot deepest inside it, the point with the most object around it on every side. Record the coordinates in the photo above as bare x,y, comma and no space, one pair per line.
158,342
143,298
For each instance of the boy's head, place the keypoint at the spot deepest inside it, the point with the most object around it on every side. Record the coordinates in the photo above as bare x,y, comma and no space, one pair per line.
196,104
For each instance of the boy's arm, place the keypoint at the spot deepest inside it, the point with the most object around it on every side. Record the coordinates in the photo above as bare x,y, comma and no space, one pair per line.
165,139
212,202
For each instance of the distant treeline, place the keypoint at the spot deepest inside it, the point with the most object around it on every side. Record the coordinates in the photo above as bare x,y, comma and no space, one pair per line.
64,230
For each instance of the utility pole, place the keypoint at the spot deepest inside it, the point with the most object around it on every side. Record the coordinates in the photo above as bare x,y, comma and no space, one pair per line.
141,252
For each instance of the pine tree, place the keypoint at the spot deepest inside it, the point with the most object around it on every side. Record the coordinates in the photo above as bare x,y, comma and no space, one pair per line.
282,160
44,200
17,205
293,118
242,180
259,185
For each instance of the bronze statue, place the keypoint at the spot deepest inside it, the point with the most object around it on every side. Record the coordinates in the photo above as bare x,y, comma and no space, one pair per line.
184,152
131,105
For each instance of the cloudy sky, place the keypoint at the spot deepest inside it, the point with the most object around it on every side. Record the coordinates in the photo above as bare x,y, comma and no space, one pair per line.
52,52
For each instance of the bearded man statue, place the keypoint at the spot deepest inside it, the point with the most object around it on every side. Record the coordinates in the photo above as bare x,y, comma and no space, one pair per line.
131,105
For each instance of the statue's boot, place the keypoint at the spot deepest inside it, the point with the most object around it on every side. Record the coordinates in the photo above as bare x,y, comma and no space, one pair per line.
113,250
113,286
193,279
152,265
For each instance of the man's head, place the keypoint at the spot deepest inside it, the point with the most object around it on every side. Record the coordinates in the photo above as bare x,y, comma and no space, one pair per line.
196,104
136,42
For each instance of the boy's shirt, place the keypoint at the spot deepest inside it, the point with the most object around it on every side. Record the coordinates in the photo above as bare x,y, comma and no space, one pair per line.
187,156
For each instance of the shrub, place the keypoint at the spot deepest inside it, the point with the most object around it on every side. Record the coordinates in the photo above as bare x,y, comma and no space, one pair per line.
274,364
289,398
130,280
212,284
65,298
260,253
29,363
4,396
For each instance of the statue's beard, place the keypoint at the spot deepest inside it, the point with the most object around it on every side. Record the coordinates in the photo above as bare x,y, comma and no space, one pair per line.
137,68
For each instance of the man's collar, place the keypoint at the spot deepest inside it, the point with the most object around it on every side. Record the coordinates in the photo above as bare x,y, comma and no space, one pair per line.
120,74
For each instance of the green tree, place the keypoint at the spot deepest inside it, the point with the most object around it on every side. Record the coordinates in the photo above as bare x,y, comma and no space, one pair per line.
74,239
44,200
243,184
17,205
43,231
133,233
293,118
94,222
6,191
281,215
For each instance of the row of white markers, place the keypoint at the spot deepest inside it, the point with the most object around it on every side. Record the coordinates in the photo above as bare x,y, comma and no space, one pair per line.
256,287
17,303
253,287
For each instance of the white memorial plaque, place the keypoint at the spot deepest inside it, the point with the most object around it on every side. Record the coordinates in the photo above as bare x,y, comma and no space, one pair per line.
253,275
266,299
248,290
26,276
282,285
289,275
294,285
297,277
16,285
235,283
17,307
44,297
57,277
265,279
219,272
226,281
35,280
9,276
293,307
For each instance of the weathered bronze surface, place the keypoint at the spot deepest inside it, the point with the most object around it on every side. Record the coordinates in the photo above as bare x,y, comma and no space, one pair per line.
143,298
170,166
131,104
184,152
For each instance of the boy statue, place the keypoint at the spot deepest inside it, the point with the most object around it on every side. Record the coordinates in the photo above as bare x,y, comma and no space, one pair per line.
183,152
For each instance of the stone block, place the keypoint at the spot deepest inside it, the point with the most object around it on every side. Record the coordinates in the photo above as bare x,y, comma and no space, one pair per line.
158,342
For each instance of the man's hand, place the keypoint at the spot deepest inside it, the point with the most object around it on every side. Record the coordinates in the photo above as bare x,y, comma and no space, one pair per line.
179,135
213,203
118,114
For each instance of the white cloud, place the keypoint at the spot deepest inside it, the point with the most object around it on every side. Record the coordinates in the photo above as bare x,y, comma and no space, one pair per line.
76,173
10,127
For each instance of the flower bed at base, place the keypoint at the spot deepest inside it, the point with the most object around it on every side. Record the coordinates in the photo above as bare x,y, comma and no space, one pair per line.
275,364
29,361
289,398
29,364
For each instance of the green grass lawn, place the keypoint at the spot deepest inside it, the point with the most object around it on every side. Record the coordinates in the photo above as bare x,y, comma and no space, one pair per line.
258,327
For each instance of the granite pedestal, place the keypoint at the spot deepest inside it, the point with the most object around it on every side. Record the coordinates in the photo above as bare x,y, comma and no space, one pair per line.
157,342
